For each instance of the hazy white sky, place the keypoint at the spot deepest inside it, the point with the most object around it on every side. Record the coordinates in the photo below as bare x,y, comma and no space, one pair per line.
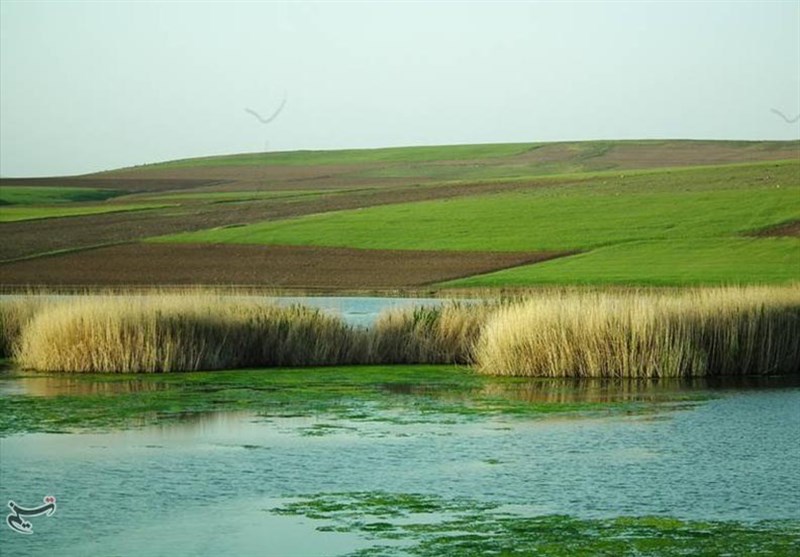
87,86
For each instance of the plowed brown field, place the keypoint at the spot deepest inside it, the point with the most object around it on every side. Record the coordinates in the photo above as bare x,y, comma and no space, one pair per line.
265,266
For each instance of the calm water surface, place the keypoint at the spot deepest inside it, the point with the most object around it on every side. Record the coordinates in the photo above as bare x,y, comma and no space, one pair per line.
206,486
355,310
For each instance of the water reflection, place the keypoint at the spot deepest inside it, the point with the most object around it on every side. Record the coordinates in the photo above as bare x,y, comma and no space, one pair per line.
49,386
600,390
534,390
610,390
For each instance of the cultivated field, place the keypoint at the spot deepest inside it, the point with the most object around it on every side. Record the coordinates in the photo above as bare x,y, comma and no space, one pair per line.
627,213
295,267
14,214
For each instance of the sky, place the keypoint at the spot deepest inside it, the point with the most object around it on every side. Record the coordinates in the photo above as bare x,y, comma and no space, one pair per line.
91,86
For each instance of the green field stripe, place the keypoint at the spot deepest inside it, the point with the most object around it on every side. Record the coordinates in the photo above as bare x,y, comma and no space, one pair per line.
36,195
667,263
15,214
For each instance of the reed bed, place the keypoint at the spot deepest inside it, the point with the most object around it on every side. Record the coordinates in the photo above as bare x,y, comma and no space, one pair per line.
566,333
701,332
433,335
15,314
180,333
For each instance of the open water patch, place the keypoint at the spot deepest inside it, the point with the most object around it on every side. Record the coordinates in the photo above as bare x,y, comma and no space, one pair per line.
186,487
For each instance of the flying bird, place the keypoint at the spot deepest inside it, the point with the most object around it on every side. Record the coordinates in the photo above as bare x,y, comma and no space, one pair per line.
272,117
782,115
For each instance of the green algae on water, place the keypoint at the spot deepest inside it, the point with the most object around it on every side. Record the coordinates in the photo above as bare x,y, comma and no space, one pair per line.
391,394
430,526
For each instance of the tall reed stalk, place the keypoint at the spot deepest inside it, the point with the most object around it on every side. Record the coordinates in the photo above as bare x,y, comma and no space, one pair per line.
700,332
722,331
433,335
15,314
181,333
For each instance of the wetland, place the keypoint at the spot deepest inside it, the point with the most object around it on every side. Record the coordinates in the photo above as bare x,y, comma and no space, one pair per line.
401,460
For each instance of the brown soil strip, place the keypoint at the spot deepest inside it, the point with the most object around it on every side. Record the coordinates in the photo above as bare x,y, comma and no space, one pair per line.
267,266
787,229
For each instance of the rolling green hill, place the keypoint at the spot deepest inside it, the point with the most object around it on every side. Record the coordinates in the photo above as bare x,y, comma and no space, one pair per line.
656,212
661,227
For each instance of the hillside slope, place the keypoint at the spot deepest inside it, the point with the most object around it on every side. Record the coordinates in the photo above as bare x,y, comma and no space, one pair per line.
630,212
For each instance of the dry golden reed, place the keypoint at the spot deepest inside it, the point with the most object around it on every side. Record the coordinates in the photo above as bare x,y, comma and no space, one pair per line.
181,332
701,332
15,314
434,335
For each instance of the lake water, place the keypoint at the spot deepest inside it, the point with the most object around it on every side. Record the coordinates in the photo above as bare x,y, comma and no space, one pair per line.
208,485
355,310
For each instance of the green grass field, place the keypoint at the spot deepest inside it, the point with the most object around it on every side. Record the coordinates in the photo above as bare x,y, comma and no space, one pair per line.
14,214
530,221
665,227
713,261
27,195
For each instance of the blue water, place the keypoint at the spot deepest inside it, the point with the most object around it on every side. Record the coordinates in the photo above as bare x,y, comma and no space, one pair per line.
206,486
356,310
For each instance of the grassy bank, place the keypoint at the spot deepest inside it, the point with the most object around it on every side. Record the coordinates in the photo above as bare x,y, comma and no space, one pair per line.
703,332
